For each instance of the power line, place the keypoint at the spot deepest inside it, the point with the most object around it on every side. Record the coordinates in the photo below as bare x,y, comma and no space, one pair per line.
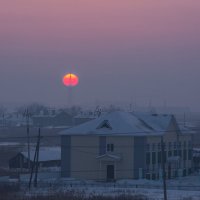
112,134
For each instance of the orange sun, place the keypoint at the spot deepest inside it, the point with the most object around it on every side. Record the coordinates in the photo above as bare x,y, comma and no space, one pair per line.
70,80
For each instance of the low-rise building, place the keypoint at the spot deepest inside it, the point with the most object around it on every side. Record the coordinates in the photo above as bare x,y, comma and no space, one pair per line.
122,145
53,119
49,157
86,116
196,158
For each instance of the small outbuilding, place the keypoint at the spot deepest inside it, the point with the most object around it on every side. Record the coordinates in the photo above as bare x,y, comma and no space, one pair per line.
48,157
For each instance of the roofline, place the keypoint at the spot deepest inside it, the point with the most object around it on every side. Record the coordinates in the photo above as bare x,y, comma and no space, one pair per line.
112,134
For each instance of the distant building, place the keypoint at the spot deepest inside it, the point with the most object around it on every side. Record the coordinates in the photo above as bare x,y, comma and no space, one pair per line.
13,119
196,158
86,116
53,119
49,157
122,145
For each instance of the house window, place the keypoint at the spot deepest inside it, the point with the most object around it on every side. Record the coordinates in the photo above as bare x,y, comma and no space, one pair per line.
175,146
190,154
153,147
148,158
148,176
110,147
159,147
189,144
185,145
147,168
179,145
170,145
153,176
184,154
165,157
184,164
105,124
175,152
25,160
164,146
148,147
153,158
180,153
159,157
169,153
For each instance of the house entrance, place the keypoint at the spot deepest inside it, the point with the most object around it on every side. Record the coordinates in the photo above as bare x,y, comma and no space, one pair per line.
110,173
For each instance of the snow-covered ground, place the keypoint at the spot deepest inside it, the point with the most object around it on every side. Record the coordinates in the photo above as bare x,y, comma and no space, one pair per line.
177,189
152,194
9,144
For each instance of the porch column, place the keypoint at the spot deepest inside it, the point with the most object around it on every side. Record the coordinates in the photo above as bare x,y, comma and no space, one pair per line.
100,174
115,166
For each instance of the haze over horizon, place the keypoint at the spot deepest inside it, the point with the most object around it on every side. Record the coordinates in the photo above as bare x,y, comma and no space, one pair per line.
122,51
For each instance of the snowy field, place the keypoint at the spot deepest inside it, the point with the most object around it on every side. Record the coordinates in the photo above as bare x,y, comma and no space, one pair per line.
152,194
178,189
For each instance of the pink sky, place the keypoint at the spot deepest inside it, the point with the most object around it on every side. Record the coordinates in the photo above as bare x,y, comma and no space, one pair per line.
60,23
150,37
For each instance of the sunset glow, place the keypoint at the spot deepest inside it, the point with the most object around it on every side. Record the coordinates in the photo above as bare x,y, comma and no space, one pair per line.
70,80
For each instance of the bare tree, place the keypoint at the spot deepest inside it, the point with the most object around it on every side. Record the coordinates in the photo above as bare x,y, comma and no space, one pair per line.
33,108
3,110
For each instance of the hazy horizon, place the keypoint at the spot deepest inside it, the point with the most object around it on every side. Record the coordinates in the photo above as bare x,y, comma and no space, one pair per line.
125,51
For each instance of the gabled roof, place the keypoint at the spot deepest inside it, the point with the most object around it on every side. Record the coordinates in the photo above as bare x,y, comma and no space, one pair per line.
48,154
109,157
123,123
157,122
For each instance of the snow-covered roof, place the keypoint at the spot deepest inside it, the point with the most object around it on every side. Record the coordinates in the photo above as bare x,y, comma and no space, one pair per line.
123,123
186,130
158,122
46,154
108,157
89,115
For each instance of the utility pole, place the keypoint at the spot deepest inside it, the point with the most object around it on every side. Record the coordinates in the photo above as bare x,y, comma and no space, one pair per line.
163,168
184,119
27,115
32,169
37,159
35,163
3,117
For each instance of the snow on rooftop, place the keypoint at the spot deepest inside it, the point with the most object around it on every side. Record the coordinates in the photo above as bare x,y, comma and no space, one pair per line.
45,154
155,121
122,123
186,130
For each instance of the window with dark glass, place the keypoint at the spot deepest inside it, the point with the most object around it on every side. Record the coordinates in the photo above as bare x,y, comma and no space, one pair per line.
175,146
153,157
184,154
148,147
153,147
159,157
169,145
190,154
164,145
159,147
179,145
110,147
185,145
189,144
180,153
165,157
148,158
